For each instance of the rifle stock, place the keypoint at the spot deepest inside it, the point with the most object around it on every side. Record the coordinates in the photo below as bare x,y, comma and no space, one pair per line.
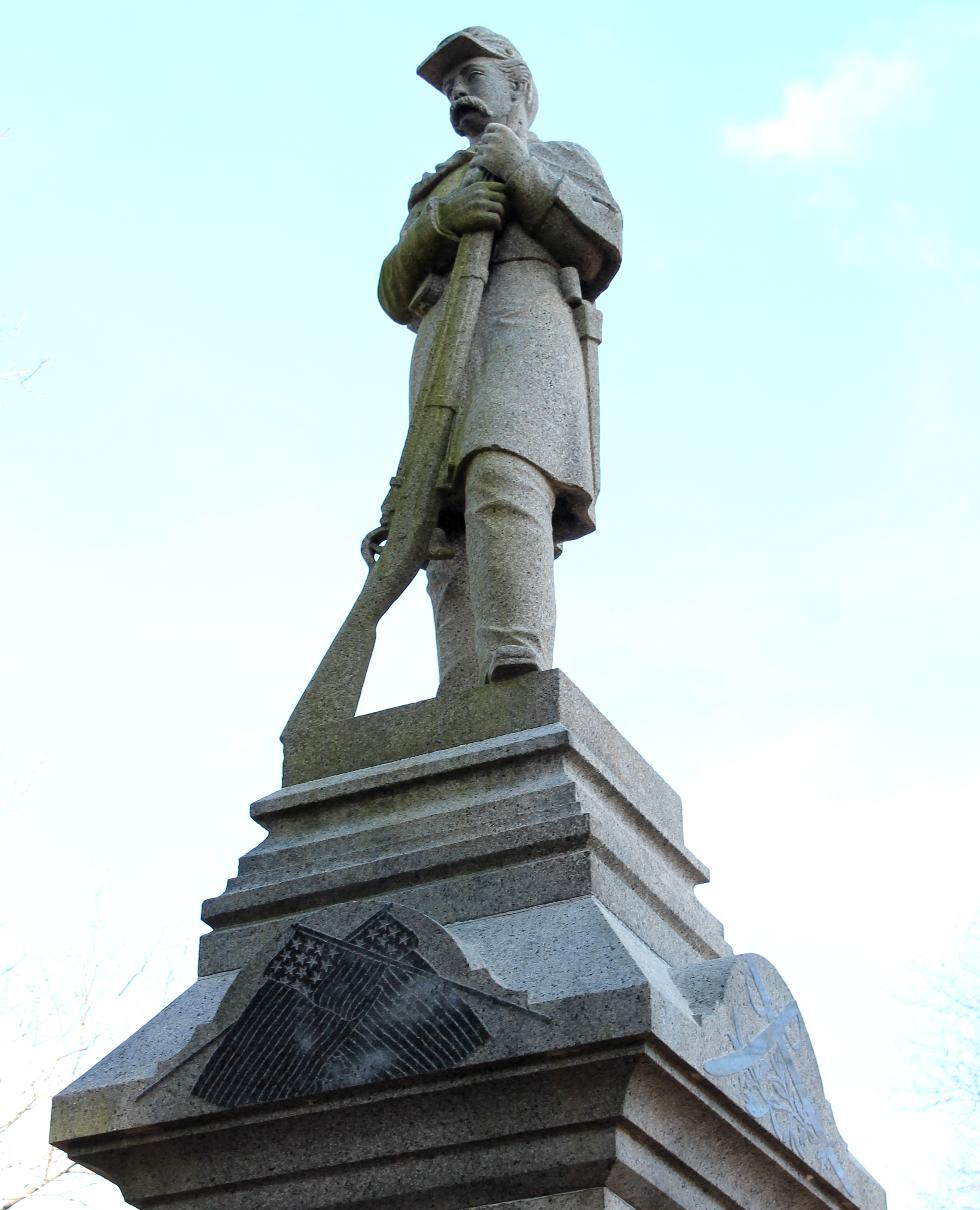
335,688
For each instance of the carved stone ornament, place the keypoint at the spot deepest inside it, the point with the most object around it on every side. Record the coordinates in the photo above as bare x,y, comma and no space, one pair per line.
334,1012
756,1048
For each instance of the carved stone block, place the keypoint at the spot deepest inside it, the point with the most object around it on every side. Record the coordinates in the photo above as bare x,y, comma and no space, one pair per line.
470,975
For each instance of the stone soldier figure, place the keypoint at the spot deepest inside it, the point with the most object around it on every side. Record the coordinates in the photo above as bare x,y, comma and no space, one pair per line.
522,471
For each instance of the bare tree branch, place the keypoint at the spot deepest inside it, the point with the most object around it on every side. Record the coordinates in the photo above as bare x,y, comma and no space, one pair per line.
951,1080
21,377
53,1033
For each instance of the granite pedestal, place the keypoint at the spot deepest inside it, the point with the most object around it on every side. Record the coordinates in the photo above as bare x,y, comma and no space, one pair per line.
467,968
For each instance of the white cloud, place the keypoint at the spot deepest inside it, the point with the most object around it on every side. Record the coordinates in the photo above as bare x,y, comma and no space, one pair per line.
828,120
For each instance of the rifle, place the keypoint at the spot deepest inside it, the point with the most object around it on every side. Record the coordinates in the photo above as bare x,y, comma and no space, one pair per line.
409,514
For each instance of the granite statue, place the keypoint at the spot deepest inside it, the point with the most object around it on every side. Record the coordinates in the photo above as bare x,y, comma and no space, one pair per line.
506,246
522,469
467,967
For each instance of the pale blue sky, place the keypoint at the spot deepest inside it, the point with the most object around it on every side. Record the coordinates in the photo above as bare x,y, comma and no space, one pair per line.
780,605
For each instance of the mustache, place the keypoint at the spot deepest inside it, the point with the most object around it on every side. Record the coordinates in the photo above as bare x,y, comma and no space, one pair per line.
467,102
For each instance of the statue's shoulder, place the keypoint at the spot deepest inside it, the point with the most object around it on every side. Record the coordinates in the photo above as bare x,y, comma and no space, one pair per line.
570,157
559,154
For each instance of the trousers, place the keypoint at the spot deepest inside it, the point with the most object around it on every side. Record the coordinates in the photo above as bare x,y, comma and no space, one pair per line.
493,601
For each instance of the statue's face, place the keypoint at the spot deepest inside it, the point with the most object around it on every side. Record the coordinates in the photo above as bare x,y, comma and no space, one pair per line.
479,92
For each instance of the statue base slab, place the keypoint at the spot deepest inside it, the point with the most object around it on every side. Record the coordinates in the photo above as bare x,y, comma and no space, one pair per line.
467,968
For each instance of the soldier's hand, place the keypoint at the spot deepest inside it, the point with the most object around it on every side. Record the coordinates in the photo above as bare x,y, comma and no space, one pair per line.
500,151
481,206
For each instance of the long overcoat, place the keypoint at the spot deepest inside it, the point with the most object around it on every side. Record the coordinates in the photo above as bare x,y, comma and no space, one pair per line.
525,388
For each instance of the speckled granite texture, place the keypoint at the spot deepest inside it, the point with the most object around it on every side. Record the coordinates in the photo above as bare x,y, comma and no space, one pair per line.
469,971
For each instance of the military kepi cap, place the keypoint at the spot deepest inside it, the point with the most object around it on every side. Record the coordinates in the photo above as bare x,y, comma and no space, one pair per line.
472,43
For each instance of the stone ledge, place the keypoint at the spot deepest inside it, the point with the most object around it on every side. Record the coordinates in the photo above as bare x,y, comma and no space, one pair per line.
619,1118
391,874
562,859
497,824
362,798
522,704
390,774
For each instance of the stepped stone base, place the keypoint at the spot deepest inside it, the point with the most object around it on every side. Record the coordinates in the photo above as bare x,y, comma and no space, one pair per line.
467,968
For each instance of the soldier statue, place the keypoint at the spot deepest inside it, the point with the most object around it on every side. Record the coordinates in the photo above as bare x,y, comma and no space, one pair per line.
520,474
505,248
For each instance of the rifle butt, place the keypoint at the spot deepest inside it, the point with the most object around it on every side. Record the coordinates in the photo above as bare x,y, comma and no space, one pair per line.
329,699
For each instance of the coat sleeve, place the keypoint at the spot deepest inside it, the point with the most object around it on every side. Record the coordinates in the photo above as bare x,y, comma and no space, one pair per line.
561,200
422,248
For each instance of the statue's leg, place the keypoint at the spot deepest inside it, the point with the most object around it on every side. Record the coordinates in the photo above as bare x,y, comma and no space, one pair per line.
510,557
449,591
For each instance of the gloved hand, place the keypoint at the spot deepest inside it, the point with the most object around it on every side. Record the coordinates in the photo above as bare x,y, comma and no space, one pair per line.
481,206
500,151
